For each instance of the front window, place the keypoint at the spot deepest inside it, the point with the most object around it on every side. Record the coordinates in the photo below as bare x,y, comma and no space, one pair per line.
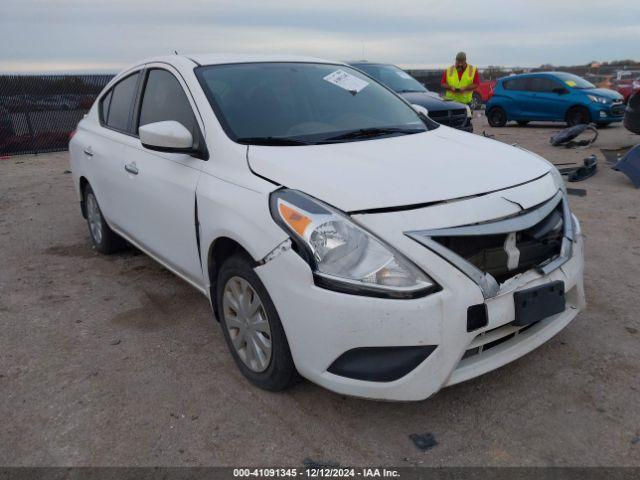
574,81
300,103
396,79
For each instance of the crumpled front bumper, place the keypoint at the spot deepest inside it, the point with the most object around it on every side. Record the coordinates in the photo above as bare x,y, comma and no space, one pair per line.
321,325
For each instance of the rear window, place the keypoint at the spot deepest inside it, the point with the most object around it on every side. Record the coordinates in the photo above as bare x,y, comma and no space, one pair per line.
515,84
121,98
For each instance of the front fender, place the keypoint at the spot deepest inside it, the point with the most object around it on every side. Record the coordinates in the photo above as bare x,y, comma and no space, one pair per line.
238,213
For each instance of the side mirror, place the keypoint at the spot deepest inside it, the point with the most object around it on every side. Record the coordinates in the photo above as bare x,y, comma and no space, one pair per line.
168,136
420,109
560,91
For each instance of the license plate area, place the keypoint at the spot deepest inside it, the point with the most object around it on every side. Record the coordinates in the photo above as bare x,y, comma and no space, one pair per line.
537,303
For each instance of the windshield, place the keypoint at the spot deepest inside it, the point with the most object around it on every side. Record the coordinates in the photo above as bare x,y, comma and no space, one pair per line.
396,79
574,81
298,103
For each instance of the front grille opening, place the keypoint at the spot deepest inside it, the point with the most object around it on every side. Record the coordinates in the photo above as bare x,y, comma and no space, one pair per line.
536,246
450,118
499,335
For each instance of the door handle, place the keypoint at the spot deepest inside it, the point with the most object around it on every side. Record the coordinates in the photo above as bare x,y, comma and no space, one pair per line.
131,168
88,152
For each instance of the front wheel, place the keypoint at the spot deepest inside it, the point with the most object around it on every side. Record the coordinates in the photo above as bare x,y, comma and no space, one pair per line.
251,326
497,117
578,116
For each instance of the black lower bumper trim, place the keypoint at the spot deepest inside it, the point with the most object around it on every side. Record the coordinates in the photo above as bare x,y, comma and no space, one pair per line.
380,364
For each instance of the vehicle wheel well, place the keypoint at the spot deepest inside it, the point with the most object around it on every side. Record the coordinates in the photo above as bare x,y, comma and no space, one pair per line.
574,107
83,185
221,249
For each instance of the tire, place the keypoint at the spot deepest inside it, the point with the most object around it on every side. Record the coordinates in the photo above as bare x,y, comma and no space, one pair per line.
497,117
523,123
632,114
256,340
103,238
476,102
578,116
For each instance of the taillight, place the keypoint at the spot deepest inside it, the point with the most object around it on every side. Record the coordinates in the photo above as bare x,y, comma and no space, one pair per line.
71,134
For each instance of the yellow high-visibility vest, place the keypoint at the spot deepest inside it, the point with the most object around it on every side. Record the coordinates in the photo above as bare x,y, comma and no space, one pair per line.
464,81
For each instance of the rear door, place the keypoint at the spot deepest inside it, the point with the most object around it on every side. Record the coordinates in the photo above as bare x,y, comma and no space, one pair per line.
161,191
104,148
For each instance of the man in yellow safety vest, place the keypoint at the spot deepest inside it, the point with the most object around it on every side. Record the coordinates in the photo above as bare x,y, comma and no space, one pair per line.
460,80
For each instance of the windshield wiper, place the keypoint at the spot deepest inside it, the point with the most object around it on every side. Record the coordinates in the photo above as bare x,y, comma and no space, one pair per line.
373,132
409,91
275,141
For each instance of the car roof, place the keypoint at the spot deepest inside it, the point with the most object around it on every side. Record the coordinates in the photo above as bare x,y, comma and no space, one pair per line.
535,74
226,58
374,64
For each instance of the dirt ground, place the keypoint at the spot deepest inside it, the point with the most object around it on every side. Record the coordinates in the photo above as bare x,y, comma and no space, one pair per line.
115,361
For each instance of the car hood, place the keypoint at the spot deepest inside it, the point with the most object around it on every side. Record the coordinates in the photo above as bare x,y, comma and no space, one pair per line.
604,92
431,101
433,166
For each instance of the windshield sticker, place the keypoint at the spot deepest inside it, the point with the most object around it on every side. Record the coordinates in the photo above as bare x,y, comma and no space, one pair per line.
403,74
571,83
346,81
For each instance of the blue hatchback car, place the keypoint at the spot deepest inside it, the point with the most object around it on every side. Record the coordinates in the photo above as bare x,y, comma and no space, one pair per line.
552,96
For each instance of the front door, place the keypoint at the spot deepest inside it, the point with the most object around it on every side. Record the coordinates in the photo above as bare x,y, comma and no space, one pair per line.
161,193
545,102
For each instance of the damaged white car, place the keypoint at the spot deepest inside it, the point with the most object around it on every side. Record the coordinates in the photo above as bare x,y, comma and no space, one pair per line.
339,234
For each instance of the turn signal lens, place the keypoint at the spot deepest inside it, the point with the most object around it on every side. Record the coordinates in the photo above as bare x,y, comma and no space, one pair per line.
296,220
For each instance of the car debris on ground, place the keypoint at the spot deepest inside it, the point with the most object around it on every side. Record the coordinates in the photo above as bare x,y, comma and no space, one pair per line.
565,138
578,192
587,169
424,441
630,165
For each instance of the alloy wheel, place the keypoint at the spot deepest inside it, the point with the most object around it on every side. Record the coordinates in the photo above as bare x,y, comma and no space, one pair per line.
95,218
247,324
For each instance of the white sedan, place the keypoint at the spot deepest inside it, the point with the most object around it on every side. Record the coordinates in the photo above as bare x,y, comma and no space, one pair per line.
340,234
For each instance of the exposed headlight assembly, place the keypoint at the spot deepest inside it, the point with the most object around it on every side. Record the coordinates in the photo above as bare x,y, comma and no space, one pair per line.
597,99
343,256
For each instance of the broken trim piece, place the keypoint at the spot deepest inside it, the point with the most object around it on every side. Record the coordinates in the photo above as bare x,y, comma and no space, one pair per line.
281,248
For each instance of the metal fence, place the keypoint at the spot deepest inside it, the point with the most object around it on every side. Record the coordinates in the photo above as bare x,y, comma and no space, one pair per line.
38,112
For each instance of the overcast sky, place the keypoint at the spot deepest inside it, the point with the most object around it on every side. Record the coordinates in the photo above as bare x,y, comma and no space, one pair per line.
50,35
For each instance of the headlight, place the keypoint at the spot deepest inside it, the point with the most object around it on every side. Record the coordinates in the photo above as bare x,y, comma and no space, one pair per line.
343,256
469,112
595,98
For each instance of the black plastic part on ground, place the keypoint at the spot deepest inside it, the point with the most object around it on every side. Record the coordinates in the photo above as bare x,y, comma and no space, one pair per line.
565,138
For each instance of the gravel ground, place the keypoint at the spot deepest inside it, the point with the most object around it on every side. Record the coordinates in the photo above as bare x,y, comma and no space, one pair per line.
115,361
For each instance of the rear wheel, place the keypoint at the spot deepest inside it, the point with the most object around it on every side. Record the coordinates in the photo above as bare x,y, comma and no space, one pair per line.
497,117
104,239
251,326
578,116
